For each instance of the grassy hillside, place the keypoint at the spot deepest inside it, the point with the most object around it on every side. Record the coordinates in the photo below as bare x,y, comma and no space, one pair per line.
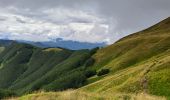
138,62
80,95
25,68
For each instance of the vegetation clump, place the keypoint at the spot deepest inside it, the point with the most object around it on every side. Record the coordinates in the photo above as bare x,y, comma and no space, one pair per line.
90,73
103,72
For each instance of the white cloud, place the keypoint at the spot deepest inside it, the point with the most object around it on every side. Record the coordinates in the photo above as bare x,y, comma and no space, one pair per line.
86,32
54,23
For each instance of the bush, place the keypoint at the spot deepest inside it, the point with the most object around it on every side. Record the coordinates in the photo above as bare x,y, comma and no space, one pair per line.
89,62
103,72
90,73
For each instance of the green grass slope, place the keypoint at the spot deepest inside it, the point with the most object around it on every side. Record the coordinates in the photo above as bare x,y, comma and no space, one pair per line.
80,95
25,68
138,62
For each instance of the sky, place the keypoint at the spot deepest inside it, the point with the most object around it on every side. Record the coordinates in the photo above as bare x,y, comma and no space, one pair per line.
78,20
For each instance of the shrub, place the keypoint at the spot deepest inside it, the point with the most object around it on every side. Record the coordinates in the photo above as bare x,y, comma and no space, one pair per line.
103,72
90,73
89,62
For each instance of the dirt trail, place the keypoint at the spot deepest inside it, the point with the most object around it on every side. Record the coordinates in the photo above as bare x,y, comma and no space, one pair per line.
144,80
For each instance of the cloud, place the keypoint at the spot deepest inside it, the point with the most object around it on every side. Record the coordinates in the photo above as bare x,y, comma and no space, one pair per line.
80,20
53,23
86,32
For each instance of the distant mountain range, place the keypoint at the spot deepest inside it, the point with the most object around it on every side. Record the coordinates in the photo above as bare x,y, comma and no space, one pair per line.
59,42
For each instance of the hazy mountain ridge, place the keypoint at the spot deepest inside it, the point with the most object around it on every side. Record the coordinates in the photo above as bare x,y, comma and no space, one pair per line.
58,43
69,44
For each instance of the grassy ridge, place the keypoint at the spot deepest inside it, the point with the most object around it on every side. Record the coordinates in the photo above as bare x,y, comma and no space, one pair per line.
26,68
138,62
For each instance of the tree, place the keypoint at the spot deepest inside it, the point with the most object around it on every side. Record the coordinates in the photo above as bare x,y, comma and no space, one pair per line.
103,72
90,73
